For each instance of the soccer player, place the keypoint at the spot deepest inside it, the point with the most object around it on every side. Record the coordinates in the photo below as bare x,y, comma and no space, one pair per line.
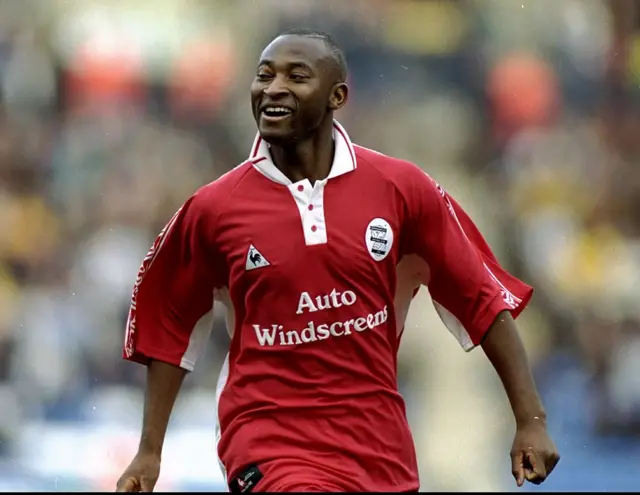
316,246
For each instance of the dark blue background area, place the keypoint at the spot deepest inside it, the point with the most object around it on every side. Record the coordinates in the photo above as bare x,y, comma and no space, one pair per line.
589,463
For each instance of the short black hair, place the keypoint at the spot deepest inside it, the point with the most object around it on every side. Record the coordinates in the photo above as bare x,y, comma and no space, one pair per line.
329,41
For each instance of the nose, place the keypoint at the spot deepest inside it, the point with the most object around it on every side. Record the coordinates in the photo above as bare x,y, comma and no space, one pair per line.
277,87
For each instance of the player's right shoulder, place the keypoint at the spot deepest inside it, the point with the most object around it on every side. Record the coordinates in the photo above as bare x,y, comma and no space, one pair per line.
219,191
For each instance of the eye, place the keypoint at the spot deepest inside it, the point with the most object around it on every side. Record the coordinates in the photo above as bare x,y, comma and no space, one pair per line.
298,77
263,76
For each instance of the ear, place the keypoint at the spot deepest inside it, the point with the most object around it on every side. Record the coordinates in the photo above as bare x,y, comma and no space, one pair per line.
339,96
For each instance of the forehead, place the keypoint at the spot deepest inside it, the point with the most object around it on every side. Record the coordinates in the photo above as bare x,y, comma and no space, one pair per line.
294,48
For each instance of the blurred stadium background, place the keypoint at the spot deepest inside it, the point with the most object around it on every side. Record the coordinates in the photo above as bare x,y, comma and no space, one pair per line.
113,113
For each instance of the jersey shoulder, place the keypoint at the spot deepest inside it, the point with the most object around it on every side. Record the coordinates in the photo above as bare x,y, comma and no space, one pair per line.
216,194
403,174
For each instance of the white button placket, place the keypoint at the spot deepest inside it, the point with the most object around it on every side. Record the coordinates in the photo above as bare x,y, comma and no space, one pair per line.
310,202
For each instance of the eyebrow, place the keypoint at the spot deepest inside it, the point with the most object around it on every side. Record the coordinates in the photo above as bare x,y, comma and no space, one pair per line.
297,64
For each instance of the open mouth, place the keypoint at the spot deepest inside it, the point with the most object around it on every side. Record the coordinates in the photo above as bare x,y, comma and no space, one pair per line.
273,113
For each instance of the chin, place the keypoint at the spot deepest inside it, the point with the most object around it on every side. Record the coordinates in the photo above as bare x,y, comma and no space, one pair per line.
278,137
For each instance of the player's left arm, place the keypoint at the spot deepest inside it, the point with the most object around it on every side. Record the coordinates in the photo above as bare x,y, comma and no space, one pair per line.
478,301
533,453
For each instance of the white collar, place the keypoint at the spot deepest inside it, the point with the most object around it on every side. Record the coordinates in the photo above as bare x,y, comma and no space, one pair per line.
344,159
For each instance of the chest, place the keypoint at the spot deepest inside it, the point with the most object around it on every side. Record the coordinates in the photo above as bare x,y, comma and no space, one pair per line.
336,233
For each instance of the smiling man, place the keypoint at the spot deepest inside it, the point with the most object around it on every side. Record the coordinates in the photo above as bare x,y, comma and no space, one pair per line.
316,246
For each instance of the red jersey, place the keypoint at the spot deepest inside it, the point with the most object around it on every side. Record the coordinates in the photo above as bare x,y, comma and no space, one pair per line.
317,280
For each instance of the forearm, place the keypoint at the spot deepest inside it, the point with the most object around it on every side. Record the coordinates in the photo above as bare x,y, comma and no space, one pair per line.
505,350
163,384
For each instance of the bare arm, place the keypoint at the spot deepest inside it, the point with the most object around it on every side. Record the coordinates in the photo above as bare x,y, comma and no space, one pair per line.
163,384
505,350
533,453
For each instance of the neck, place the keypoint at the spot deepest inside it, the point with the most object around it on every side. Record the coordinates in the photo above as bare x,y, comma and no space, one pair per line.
309,159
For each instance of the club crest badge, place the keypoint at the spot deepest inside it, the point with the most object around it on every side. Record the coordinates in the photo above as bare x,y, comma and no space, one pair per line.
379,238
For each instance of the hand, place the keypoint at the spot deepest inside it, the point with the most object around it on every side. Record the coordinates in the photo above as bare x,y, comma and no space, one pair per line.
141,475
533,454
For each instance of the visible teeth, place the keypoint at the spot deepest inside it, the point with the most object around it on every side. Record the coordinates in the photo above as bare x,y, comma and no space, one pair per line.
277,110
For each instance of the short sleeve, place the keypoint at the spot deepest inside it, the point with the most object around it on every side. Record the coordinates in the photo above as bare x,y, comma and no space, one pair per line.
173,290
468,286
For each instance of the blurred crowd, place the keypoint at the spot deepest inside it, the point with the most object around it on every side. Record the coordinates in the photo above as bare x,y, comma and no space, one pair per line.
528,112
